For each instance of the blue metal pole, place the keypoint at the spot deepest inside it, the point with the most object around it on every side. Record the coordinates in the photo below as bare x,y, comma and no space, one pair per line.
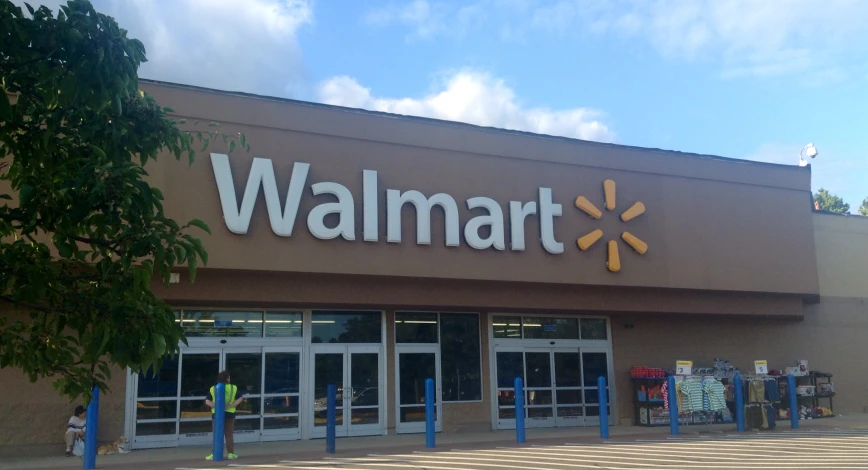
330,418
673,407
604,408
219,421
794,402
739,403
90,431
429,413
519,411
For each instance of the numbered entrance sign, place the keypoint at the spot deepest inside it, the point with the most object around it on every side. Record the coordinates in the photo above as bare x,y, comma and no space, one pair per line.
762,367
683,367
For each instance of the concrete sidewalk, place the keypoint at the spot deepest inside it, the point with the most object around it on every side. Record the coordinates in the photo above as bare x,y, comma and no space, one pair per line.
262,453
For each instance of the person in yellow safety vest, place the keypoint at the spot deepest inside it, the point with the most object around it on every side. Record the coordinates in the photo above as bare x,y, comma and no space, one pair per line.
229,413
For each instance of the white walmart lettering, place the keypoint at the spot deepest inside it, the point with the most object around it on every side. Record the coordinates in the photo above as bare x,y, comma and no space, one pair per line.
282,217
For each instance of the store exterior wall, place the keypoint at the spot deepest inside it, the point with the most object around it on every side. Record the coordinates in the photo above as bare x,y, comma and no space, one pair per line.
831,336
34,417
729,243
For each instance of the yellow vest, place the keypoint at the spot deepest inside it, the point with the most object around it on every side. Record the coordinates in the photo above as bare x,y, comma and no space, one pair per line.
231,391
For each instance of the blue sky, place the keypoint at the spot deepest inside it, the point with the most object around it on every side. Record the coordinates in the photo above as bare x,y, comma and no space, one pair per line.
753,79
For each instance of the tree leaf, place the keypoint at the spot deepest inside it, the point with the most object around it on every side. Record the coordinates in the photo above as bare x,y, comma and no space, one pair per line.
201,225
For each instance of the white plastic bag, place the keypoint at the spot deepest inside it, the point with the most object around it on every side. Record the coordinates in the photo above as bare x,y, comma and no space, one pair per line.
78,447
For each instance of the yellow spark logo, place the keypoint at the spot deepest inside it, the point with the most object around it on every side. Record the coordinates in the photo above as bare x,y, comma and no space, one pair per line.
585,242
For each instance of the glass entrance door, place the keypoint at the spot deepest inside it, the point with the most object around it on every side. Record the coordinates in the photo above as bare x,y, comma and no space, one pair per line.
595,363
355,371
245,371
198,372
539,392
568,387
560,385
281,394
415,364
267,377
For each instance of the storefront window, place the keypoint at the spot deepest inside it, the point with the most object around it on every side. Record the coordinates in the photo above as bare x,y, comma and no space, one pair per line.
507,327
594,328
283,324
346,327
221,323
551,328
415,327
460,361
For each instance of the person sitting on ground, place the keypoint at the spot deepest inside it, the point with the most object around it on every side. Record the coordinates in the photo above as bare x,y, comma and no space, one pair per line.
75,428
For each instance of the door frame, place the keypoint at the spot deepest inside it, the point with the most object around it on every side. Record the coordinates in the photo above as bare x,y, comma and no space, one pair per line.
251,435
567,421
202,438
347,429
547,422
497,422
418,348
496,345
595,420
267,435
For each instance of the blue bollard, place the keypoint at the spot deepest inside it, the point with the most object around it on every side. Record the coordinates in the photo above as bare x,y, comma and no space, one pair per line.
739,403
90,431
794,402
219,421
604,408
519,411
673,407
429,413
330,418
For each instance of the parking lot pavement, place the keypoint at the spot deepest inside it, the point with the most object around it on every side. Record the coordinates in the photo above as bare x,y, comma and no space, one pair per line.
818,449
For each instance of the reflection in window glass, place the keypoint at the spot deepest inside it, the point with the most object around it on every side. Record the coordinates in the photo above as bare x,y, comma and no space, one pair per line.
195,427
162,384
222,323
284,422
155,429
551,328
594,328
509,366
539,370
200,373
283,324
346,327
507,327
156,409
281,372
415,327
460,361
594,366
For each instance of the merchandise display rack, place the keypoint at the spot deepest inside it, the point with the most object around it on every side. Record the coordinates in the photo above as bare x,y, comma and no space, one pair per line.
813,389
649,412
815,380
643,404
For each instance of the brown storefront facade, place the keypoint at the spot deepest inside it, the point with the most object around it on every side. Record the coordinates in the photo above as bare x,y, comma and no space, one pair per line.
373,250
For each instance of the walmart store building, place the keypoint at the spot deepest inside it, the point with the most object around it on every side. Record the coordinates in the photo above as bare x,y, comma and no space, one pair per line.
373,251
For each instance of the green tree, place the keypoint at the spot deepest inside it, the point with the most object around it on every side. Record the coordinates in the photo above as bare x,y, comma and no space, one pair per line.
863,209
830,202
81,233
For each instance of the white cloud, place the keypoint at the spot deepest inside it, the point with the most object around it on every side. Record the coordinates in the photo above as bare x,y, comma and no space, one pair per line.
475,98
248,45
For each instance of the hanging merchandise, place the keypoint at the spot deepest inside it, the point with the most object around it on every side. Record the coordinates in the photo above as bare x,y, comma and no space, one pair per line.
707,394
756,391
